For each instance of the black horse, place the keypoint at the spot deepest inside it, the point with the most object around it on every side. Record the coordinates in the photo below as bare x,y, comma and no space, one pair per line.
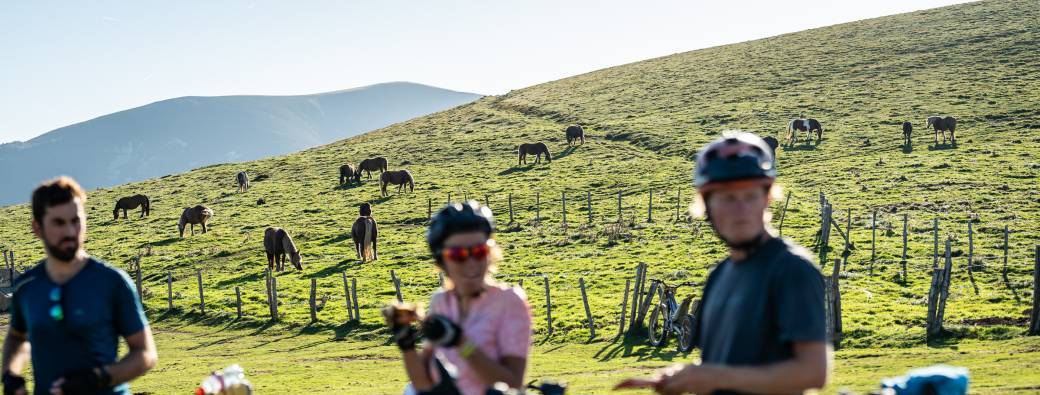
575,133
907,130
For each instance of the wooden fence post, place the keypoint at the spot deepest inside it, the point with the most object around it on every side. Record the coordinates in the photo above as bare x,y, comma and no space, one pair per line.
564,197
783,213
429,208
346,297
397,286
238,301
1003,272
313,301
636,295
678,201
487,201
1034,319
449,198
588,204
619,207
353,294
873,240
169,290
624,307
935,243
828,307
548,305
538,207
945,290
202,298
825,232
903,262
650,208
510,208
835,283
848,240
588,313
137,278
274,298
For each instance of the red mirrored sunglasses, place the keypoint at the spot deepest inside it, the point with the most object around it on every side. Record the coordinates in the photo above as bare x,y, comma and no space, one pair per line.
462,253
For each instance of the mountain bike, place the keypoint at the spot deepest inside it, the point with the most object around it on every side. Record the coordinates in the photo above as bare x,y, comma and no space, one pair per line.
668,316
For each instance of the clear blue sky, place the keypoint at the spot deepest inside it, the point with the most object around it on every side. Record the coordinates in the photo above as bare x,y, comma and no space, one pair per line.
67,62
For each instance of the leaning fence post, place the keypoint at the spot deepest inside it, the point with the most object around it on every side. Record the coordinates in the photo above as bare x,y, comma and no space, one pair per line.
313,302
783,213
346,297
487,201
202,298
636,296
353,294
624,307
588,313
397,285
169,290
238,301
510,208
1034,322
548,305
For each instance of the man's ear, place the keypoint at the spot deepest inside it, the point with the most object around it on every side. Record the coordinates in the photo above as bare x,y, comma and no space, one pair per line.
37,229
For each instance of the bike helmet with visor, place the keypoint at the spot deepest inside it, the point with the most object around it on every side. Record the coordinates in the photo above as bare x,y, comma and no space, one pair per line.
736,157
458,218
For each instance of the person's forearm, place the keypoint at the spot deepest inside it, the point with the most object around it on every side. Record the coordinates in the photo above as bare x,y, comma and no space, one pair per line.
131,366
491,371
415,368
15,354
792,376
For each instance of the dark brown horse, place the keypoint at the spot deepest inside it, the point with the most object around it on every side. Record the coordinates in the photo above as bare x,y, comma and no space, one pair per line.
369,165
574,134
243,181
346,173
772,142
278,243
804,125
943,125
365,235
533,149
396,177
130,203
908,128
195,215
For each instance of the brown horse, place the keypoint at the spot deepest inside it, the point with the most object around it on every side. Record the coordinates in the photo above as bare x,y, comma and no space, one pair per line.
533,149
365,235
396,177
243,181
940,124
130,203
574,134
369,165
195,215
347,172
908,128
277,243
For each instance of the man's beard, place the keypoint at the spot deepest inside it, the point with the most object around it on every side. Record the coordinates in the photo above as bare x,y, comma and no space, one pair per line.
62,254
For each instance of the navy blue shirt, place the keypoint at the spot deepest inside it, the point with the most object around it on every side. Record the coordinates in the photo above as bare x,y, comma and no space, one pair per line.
753,310
99,305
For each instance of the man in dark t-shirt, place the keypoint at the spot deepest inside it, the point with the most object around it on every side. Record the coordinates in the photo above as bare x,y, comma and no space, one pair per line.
73,309
760,324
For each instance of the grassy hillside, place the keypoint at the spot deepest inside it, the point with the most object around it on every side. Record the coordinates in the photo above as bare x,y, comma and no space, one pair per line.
861,80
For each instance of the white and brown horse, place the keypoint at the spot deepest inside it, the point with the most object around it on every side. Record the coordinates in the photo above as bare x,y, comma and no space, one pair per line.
808,126
365,235
243,181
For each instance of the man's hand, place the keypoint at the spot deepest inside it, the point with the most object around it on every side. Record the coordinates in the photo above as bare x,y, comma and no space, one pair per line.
86,381
14,384
681,379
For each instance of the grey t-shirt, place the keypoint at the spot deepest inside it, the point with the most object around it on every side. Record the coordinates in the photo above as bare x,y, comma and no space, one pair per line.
753,310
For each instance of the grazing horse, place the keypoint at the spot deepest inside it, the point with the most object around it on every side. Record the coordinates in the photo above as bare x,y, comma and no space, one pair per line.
942,125
533,149
130,203
347,172
243,181
396,177
369,165
804,125
195,215
908,128
277,243
365,235
772,142
574,134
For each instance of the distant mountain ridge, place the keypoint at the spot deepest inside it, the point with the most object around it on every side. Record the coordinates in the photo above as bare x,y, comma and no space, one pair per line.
176,135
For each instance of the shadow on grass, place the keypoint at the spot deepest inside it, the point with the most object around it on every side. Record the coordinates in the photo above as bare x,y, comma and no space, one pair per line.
908,148
636,345
942,147
564,153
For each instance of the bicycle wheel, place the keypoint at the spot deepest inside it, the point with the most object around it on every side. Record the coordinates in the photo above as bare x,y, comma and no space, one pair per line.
658,326
686,334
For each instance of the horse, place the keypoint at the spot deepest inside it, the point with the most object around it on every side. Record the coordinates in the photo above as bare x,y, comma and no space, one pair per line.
533,149
365,235
369,165
575,133
347,172
130,203
942,125
908,128
396,177
277,243
243,181
195,215
772,142
804,125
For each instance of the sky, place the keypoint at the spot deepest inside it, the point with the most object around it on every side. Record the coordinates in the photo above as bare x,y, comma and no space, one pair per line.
68,62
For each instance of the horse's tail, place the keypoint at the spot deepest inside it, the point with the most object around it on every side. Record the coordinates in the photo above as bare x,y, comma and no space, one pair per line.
366,245
790,127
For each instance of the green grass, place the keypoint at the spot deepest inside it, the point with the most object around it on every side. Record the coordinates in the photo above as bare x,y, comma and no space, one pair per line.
861,80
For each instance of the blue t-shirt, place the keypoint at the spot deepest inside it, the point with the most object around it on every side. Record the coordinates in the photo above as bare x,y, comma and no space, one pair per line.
99,305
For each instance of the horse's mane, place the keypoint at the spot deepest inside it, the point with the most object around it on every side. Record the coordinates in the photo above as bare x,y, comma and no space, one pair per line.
288,244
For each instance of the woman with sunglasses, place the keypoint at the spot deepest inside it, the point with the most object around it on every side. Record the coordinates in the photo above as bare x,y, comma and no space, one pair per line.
478,326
